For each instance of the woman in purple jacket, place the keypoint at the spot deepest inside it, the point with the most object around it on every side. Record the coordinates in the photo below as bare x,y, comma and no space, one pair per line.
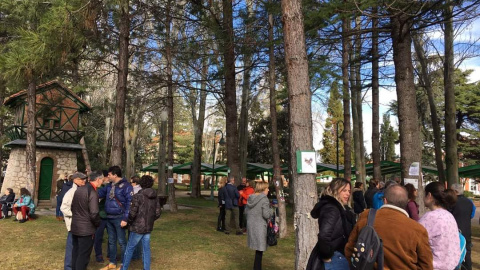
441,226
412,205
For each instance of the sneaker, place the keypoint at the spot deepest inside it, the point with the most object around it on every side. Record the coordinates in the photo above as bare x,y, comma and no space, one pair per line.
239,233
3,217
109,266
227,232
22,221
99,259
220,230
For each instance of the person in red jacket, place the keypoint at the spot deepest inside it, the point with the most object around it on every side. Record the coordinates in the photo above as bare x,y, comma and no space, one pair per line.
242,201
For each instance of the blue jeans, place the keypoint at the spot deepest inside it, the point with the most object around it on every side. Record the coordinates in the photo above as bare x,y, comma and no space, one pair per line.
67,264
339,262
99,238
115,232
133,241
137,252
58,213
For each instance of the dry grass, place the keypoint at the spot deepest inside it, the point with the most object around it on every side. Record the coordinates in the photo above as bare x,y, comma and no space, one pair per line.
186,240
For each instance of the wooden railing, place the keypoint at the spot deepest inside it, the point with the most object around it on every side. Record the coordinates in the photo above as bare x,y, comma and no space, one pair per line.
45,134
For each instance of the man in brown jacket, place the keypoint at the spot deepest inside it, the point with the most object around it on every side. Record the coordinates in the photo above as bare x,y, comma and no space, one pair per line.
405,241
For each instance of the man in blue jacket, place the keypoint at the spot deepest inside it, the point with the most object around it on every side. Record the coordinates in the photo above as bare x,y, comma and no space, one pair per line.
118,195
231,206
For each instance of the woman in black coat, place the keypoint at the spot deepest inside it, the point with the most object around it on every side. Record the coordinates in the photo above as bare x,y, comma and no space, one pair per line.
358,199
335,222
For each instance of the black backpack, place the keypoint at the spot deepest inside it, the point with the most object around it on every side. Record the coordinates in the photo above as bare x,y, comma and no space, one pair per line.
369,247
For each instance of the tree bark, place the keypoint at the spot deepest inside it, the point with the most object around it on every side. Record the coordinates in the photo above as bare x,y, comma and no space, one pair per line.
277,179
426,81
3,90
360,147
246,88
31,146
233,161
377,174
88,168
168,53
451,155
123,55
162,183
410,137
198,128
300,121
346,101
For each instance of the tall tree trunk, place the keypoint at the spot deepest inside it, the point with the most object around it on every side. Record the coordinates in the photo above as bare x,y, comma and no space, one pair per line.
3,91
300,121
168,53
277,179
233,161
162,152
123,55
451,156
426,81
86,160
354,96
31,146
410,142
131,135
198,128
246,85
377,174
360,168
346,101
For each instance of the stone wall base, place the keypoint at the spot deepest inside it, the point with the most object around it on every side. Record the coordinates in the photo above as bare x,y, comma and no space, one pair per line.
16,176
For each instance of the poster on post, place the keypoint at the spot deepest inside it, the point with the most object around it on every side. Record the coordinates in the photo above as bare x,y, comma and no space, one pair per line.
412,181
414,169
306,162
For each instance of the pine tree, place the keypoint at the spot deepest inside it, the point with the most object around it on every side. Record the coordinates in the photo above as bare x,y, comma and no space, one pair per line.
388,137
335,114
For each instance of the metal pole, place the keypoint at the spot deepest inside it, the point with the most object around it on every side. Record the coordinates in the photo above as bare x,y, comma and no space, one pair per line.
337,150
213,168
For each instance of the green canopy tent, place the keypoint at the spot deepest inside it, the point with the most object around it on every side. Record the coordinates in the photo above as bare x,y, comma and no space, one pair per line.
472,171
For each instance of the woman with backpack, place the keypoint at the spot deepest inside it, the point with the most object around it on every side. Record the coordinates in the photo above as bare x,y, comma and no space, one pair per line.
335,222
441,226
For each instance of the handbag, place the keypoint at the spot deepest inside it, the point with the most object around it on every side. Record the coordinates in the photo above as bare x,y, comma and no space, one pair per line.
271,234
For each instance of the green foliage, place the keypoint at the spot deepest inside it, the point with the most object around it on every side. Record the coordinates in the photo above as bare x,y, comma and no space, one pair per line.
183,147
335,114
388,138
260,139
42,40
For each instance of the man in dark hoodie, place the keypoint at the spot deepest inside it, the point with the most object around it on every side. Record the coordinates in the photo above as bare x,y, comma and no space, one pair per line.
145,209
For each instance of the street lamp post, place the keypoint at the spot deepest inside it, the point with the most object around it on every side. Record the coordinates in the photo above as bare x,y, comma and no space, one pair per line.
221,142
337,147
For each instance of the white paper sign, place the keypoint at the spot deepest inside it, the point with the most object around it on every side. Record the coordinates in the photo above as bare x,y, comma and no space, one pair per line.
414,169
170,180
412,181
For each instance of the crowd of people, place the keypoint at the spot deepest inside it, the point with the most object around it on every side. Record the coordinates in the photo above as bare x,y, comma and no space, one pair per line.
409,241
107,200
